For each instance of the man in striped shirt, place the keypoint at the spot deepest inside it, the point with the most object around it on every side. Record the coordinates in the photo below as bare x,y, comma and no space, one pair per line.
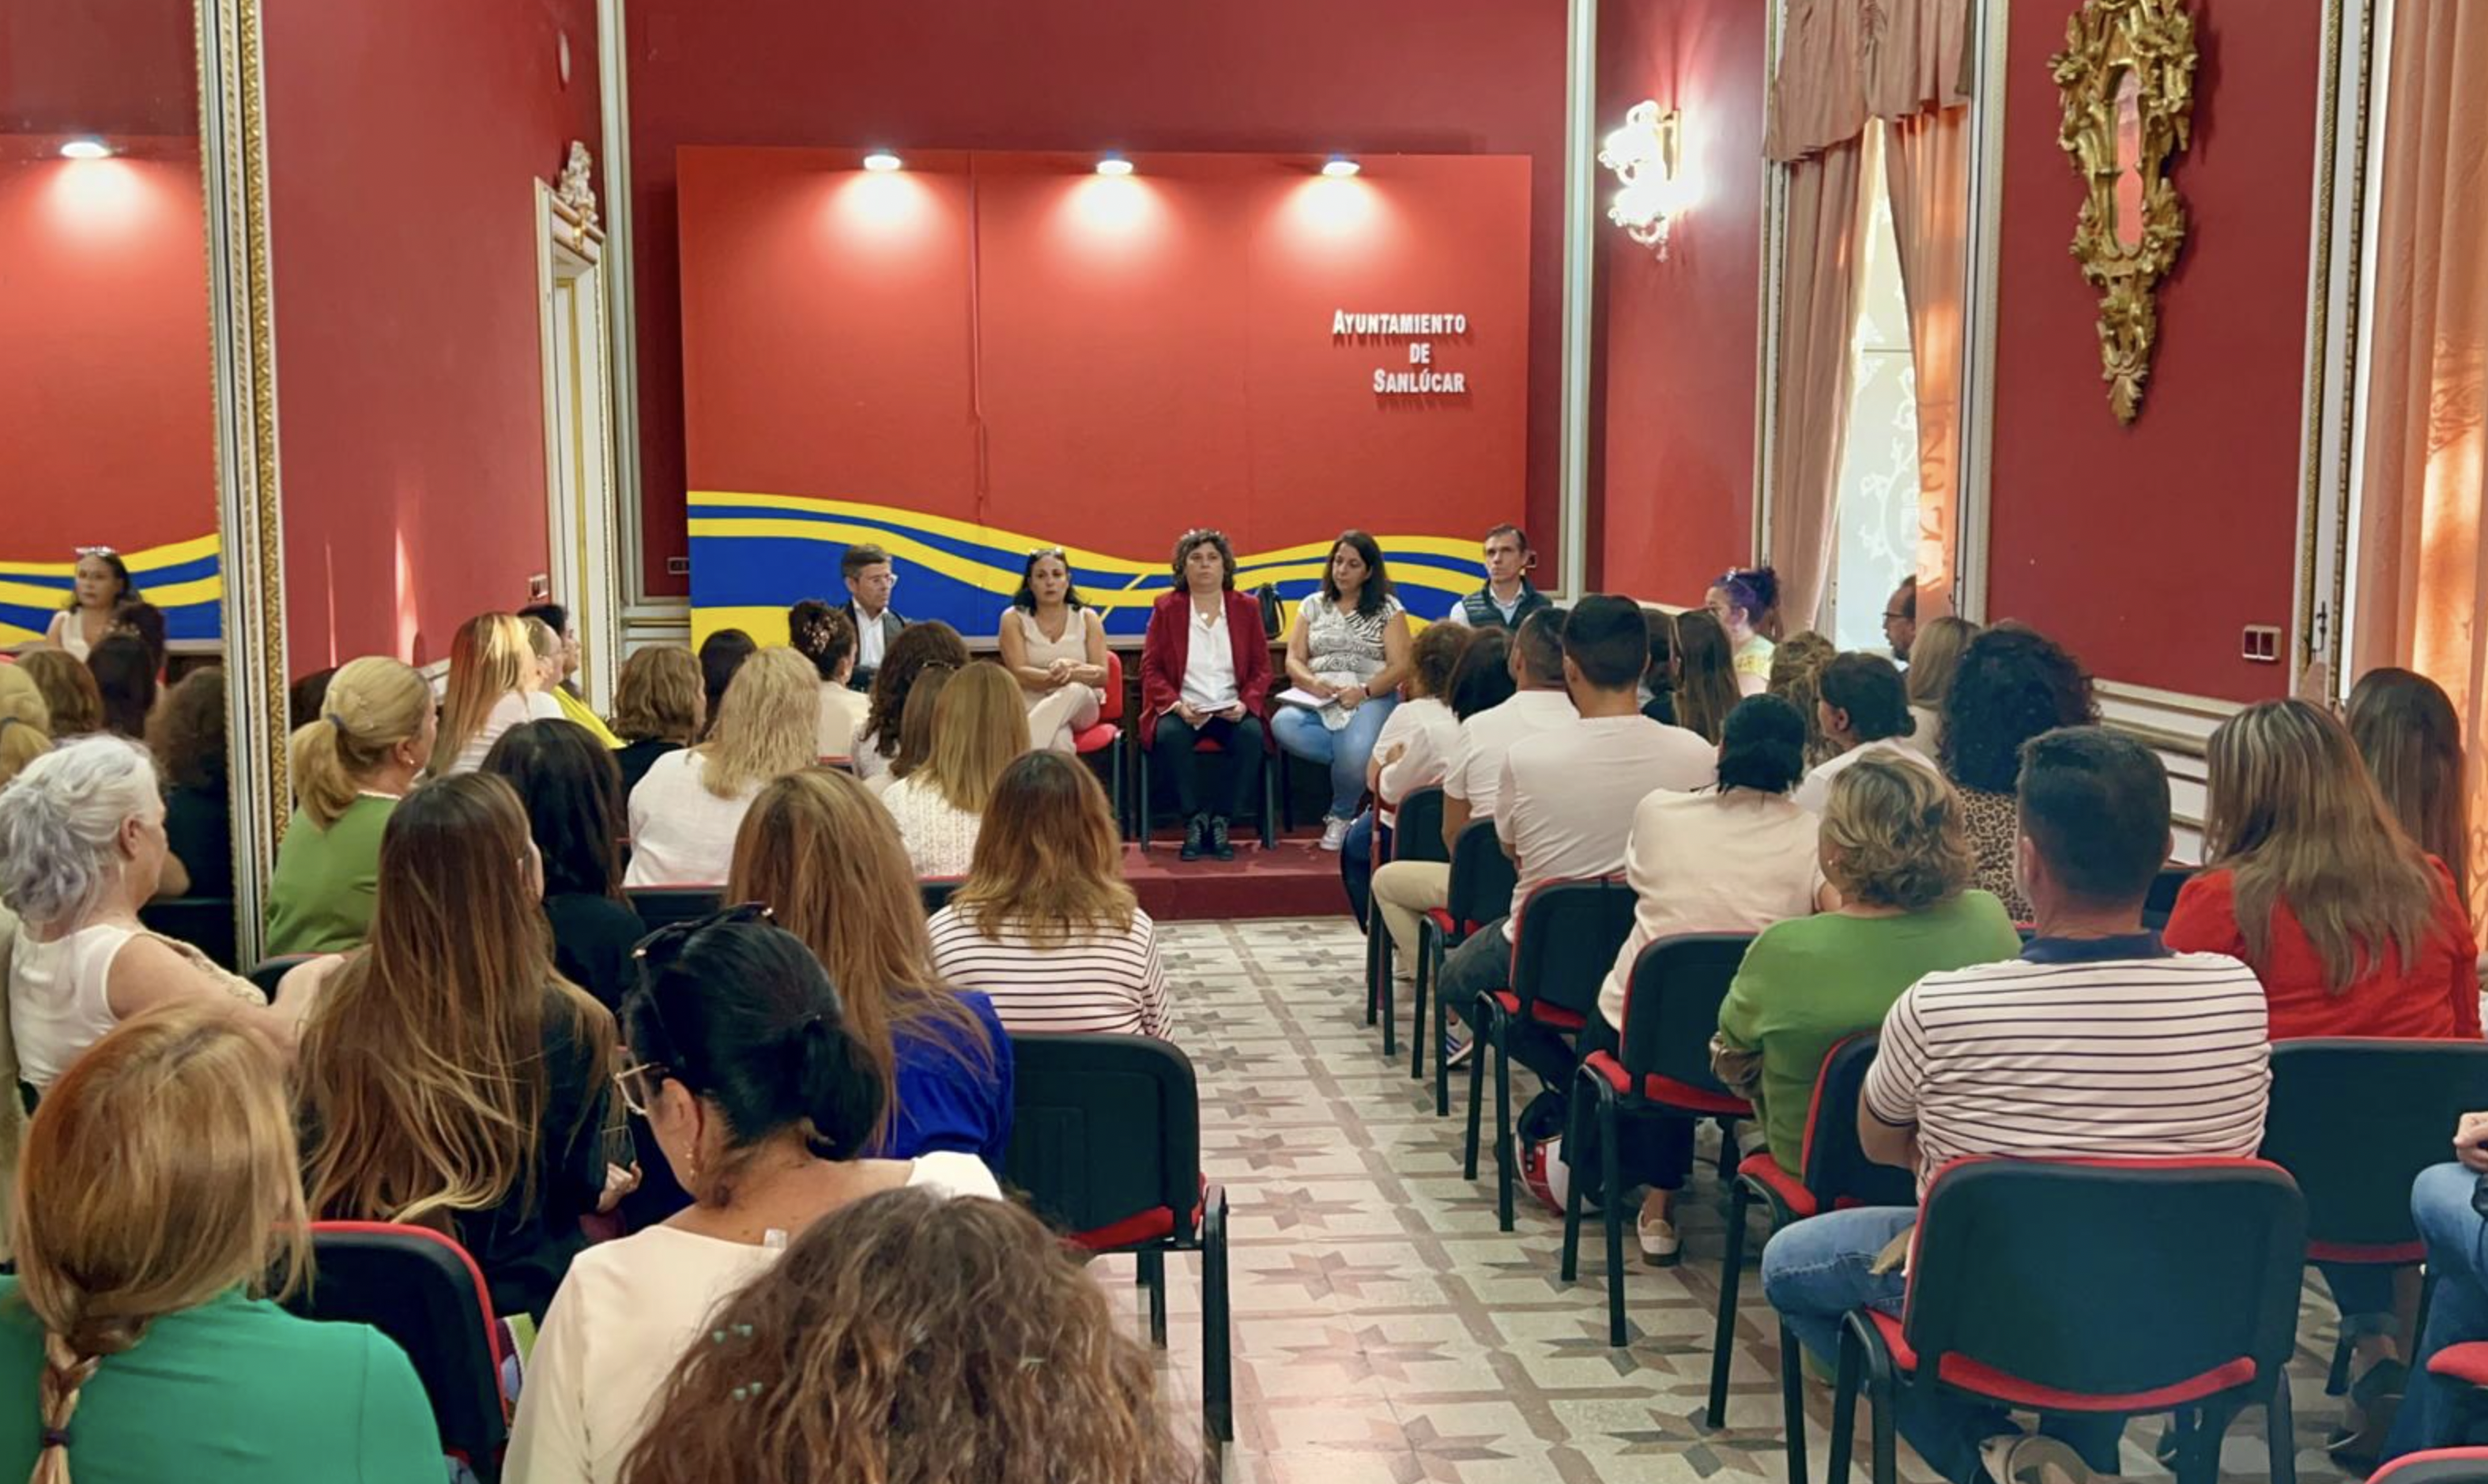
2096,1042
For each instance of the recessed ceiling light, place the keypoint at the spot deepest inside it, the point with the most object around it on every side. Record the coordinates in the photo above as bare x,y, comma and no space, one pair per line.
1340,167
85,149
1113,164
881,159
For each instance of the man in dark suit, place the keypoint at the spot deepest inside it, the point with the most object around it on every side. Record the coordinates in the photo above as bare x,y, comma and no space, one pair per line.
869,577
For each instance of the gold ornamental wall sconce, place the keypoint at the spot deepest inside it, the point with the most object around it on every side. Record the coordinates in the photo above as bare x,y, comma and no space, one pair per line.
1644,154
2127,74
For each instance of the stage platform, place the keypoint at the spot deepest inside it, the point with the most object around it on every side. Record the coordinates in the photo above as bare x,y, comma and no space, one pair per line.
1298,879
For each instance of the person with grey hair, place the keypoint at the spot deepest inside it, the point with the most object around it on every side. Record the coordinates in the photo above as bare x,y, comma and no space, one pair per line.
81,847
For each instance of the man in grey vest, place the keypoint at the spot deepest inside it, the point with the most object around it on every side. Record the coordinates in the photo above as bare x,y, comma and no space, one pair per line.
1507,599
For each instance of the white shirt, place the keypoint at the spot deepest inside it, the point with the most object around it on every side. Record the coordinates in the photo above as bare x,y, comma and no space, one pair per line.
513,708
1815,793
681,835
1107,982
869,638
57,1001
1713,862
1430,731
624,1316
1208,662
842,713
1472,770
941,838
1928,731
1567,798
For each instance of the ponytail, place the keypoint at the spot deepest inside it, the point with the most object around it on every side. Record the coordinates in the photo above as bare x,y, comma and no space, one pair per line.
69,1362
373,705
839,1085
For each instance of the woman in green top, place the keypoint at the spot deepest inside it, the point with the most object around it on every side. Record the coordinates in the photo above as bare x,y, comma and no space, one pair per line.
1896,848
350,767
161,1188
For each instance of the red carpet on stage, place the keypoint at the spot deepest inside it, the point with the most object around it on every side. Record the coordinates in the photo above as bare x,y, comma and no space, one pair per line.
1297,879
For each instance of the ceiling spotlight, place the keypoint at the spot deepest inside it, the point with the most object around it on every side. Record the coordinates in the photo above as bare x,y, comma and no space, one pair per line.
1113,164
85,149
1340,167
881,161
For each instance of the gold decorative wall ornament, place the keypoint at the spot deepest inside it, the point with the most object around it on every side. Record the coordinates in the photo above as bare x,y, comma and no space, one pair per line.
2127,74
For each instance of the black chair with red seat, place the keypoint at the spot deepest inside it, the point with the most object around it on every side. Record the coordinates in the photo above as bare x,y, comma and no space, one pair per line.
423,1291
664,907
1415,833
205,923
1835,1173
937,891
2163,898
1662,1068
1483,881
1145,807
2353,1151
269,973
1106,1144
1106,735
2095,1286
2436,1466
1564,939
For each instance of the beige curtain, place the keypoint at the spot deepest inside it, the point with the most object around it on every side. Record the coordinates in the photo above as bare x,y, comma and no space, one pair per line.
1925,164
2420,555
1826,231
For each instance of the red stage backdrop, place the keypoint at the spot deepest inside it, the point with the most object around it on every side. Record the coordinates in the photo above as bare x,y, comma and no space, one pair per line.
983,352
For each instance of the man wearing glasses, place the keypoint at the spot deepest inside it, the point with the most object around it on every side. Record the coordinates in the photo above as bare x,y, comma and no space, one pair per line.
871,578
1901,618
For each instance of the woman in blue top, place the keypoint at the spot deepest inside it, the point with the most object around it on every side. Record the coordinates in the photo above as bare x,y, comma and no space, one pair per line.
162,1187
825,856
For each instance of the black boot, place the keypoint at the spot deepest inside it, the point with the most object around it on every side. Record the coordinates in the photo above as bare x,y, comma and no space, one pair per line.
1218,844
1193,829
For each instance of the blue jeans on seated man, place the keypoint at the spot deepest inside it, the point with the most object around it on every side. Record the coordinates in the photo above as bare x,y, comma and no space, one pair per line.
1344,753
1482,964
2431,1414
1816,1270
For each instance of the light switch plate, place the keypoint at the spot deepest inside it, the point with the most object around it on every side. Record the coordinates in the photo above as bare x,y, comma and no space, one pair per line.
2261,644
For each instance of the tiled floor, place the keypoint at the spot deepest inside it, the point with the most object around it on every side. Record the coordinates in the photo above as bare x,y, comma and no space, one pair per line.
1386,1332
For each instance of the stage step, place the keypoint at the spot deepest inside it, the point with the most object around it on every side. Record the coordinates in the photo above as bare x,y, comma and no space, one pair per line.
1298,879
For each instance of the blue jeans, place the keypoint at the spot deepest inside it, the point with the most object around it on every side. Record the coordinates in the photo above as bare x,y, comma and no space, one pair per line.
1356,865
1815,1271
2457,1306
1344,752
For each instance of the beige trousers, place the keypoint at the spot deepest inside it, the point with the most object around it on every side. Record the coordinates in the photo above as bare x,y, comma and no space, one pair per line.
1405,889
1054,720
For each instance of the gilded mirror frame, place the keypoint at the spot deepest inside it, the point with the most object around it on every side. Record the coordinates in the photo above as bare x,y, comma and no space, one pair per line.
2153,42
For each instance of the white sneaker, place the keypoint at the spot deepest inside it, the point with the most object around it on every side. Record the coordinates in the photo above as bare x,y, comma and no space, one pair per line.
1335,834
1660,1246
2012,1458
1752,1139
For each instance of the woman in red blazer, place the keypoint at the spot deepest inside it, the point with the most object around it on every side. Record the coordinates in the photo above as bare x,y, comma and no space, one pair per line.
1206,672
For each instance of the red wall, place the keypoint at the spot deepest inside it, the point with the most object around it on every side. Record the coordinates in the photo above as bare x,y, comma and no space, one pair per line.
2145,548
1425,76
1674,426
107,415
99,67
404,140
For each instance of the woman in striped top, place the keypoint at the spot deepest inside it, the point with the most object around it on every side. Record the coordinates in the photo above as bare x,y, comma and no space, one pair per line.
1044,925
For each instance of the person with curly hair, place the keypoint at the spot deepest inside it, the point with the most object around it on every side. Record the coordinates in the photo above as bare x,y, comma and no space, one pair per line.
1797,678
1746,601
917,648
827,637
2014,684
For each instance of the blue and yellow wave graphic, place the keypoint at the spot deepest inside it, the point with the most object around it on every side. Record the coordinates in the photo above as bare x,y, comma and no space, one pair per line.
185,580
754,555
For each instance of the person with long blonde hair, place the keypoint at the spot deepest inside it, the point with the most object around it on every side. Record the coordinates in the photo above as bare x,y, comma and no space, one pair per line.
1935,658
25,721
375,736
909,1337
1707,685
822,854
685,813
2405,728
1044,925
979,727
1797,678
448,1076
71,696
159,1204
496,681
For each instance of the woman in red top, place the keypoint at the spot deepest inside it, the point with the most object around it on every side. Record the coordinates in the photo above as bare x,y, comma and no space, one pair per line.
2353,929
1206,672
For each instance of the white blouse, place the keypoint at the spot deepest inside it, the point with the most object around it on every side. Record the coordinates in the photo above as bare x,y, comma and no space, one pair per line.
1431,731
940,837
681,835
513,708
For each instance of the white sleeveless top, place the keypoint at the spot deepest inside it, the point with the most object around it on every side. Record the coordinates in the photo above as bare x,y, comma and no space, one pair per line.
56,997
68,632
1042,651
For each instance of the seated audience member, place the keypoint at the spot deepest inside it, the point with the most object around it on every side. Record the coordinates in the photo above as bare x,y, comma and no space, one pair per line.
2412,741
1732,859
824,635
916,647
1797,678
102,584
448,1074
124,679
1896,851
496,681
916,727
1349,647
996,1356
1864,712
1968,1068
1935,659
1659,681
742,1062
979,727
1566,798
1706,688
822,854
871,578
1404,888
25,721
1506,600
659,706
1409,753
566,781
2353,930
143,621
1055,646
684,812
303,698
69,694
721,657
188,735
1901,621
2014,684
350,765
1206,672
1743,600
1044,925
2438,1412
81,847
163,1202
556,652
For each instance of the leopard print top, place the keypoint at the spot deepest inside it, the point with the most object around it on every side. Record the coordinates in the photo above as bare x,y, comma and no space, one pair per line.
1993,824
